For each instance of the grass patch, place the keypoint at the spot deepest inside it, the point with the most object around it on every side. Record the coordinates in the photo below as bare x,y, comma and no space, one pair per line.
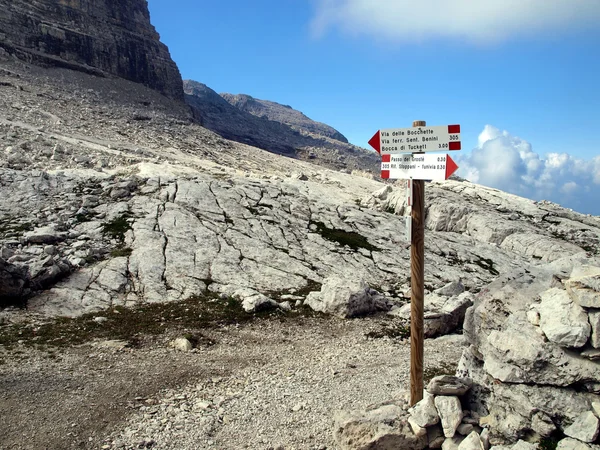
81,218
393,331
121,251
311,285
128,324
353,240
134,325
117,227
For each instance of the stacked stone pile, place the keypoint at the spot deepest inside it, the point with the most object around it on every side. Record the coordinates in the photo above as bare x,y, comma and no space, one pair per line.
439,420
530,375
534,353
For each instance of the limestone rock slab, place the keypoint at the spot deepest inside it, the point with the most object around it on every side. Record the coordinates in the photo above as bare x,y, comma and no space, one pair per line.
450,412
585,427
385,427
449,385
563,321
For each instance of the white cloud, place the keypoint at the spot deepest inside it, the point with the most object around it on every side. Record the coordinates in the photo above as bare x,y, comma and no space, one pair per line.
509,163
473,20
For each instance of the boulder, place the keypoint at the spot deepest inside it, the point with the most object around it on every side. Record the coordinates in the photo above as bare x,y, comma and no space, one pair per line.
345,297
383,427
182,344
441,314
253,301
471,442
452,289
584,286
424,413
584,428
449,385
594,318
44,235
450,412
13,282
572,444
563,321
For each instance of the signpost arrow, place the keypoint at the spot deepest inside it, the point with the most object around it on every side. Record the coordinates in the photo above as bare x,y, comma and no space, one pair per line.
417,140
437,167
403,156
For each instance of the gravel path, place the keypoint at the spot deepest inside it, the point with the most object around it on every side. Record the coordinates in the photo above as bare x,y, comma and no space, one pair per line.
268,384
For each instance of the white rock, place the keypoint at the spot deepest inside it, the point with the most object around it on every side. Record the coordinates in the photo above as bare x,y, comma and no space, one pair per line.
452,289
585,427
382,427
449,385
485,438
452,443
450,412
584,286
346,297
182,344
596,408
534,317
471,442
572,444
424,413
523,445
563,321
416,428
542,424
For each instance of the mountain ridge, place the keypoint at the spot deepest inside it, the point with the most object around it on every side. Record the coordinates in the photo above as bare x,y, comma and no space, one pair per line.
282,113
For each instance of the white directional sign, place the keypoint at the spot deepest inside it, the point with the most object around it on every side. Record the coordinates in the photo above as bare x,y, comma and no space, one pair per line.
417,140
418,167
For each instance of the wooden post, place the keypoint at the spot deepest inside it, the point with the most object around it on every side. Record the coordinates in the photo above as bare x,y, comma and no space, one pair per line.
417,281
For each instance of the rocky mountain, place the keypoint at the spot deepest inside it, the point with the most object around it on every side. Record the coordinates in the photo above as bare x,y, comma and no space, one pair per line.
284,114
105,37
115,196
291,134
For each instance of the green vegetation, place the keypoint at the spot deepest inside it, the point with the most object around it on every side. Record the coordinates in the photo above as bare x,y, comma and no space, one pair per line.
117,227
349,238
134,325
392,331
121,251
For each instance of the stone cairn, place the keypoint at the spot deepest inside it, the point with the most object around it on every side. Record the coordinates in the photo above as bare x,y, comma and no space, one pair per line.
439,421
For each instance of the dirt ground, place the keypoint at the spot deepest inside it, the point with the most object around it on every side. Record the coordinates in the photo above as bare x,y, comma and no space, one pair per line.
80,396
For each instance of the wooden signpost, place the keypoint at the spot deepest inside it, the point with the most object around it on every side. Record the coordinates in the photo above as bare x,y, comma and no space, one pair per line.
417,168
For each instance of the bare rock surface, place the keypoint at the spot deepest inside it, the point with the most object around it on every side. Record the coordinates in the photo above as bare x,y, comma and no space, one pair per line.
113,196
284,114
100,37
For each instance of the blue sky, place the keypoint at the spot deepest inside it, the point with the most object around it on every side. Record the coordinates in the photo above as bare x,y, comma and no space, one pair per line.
513,71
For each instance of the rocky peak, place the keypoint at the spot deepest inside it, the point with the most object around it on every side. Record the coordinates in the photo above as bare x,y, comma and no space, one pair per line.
276,128
99,37
284,114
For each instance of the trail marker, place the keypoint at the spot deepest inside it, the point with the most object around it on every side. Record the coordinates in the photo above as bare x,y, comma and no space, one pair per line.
403,156
417,139
417,166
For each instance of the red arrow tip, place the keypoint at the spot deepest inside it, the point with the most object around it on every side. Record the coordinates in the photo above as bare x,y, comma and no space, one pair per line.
375,142
451,166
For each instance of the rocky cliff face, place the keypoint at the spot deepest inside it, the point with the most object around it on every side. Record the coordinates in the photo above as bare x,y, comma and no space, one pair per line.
105,36
284,114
